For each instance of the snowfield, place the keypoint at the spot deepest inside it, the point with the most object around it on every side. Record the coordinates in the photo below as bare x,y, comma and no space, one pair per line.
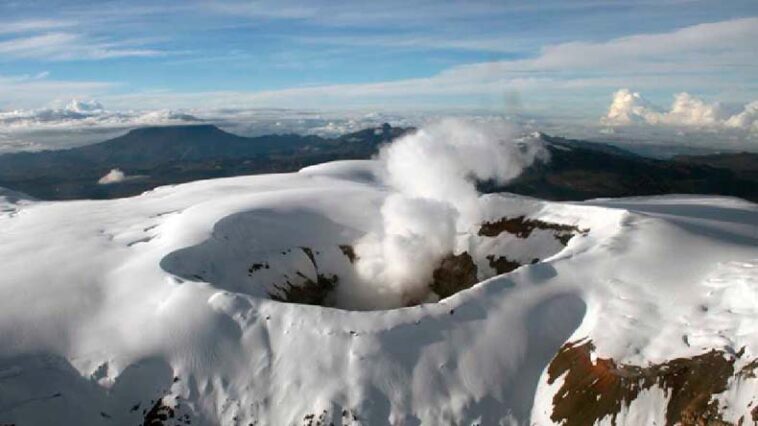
131,310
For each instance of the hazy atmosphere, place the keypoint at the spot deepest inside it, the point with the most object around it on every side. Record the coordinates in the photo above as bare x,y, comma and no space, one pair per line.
369,213
671,72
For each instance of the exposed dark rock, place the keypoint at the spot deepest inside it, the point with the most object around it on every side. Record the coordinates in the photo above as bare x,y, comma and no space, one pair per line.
455,273
749,370
312,420
349,252
159,414
522,227
593,390
501,264
256,267
308,292
308,252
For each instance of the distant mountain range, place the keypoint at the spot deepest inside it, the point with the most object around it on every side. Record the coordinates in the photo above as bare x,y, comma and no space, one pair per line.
580,170
155,156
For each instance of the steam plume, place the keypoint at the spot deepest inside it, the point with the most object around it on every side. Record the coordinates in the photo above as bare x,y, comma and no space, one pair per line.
432,177
113,176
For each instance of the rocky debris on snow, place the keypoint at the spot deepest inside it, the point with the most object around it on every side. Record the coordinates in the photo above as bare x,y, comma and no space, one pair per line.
594,388
523,227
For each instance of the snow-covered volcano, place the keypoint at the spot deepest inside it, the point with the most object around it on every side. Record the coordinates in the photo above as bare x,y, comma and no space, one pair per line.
305,252
636,311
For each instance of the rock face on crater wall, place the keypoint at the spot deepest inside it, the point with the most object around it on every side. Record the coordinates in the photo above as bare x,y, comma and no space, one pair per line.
317,282
455,273
308,291
522,227
595,388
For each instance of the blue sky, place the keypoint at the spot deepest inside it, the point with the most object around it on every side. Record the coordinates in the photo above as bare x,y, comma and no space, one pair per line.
562,58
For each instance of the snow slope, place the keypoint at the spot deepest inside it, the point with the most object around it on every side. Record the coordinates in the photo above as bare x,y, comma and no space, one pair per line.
109,306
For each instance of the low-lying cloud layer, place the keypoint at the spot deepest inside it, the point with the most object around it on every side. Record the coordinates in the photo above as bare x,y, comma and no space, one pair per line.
690,122
79,122
86,113
75,123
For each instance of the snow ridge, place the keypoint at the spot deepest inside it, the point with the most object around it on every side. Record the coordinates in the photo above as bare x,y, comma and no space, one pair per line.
103,325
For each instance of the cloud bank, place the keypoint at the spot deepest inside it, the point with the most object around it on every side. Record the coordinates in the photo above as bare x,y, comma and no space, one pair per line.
686,111
87,113
75,123
82,121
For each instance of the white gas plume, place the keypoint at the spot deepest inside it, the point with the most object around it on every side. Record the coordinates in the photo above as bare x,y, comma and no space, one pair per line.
432,176
113,176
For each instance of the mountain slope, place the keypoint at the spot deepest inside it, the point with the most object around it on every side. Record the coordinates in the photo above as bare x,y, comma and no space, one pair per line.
152,146
582,170
143,308
152,157
157,156
740,163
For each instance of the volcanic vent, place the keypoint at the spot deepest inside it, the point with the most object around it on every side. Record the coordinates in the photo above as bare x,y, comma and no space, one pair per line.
303,257
430,234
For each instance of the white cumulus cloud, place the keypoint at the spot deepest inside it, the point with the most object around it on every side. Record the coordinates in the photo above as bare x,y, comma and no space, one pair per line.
747,119
686,111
